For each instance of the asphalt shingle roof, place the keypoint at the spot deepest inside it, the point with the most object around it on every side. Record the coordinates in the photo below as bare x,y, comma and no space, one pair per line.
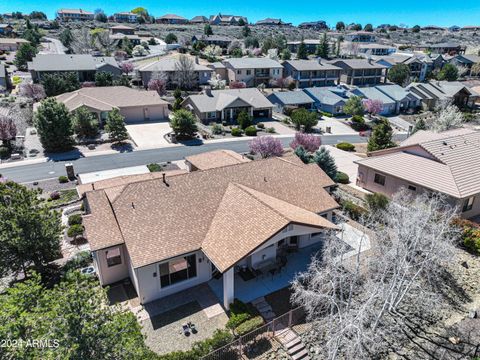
253,63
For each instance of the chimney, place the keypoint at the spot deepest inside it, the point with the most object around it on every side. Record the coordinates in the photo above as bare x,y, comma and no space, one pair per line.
208,91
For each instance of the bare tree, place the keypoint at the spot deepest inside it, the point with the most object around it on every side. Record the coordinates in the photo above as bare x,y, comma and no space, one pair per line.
368,304
449,117
185,76
103,41
36,92
83,42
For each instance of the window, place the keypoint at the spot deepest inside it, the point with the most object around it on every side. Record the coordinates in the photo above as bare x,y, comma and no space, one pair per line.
211,115
379,179
468,204
412,188
239,72
178,270
249,72
113,257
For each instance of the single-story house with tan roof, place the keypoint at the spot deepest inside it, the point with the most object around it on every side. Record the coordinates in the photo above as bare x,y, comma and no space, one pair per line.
172,233
11,44
214,159
134,105
446,162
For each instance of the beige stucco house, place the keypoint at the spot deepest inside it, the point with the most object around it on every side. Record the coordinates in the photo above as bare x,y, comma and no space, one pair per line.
134,105
253,71
447,162
174,232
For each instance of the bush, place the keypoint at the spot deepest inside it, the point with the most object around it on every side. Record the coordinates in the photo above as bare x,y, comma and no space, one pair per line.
251,131
327,114
244,120
55,195
75,230
154,167
81,260
217,129
376,201
345,146
75,220
62,179
270,130
358,123
353,210
249,325
470,236
237,132
4,152
342,178
237,319
261,125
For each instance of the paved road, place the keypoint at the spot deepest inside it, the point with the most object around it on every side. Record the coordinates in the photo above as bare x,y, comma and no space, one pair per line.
56,46
53,169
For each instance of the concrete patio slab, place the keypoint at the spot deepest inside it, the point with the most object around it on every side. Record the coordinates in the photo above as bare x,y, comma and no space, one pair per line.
149,135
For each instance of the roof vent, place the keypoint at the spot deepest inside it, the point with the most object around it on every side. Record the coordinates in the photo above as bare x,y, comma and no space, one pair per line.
265,178
444,143
133,205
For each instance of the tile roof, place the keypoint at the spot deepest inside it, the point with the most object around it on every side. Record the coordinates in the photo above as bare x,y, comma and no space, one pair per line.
216,158
253,63
159,221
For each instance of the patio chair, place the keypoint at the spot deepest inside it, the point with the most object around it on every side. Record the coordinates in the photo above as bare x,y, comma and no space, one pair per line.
186,330
192,327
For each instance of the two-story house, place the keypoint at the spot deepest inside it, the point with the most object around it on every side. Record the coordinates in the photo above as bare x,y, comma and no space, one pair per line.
253,71
361,37
75,15
311,73
361,72
125,17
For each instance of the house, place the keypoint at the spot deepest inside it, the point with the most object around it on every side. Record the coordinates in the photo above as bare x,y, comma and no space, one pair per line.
119,37
125,17
314,25
361,37
166,235
217,40
442,48
405,100
227,20
446,162
219,69
200,19
168,66
85,66
6,29
360,71
272,22
171,19
134,105
214,159
225,105
122,29
4,79
253,71
328,99
284,100
466,61
471,28
376,49
11,44
434,93
310,45
309,73
420,65
389,105
74,15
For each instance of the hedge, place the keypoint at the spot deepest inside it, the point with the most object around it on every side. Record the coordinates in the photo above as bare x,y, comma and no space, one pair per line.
237,319
75,230
342,178
251,131
249,325
345,146
75,220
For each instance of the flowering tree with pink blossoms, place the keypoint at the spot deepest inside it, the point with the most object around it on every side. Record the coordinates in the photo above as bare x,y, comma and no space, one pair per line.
266,146
158,85
373,106
310,142
237,85
127,67
8,130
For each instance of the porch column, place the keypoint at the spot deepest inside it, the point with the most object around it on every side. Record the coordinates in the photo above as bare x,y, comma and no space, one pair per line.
228,288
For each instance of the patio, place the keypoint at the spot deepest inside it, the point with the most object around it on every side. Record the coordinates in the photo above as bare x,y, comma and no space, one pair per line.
267,283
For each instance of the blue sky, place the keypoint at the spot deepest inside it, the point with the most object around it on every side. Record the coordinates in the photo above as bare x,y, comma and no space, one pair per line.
409,12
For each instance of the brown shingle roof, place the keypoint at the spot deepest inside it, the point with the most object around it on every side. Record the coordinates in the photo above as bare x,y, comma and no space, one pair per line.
159,221
216,158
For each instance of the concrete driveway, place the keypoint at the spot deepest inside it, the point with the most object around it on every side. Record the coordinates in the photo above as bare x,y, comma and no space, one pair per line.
344,161
338,126
149,135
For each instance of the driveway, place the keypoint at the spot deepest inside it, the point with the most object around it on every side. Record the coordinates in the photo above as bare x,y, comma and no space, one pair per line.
337,126
149,135
344,161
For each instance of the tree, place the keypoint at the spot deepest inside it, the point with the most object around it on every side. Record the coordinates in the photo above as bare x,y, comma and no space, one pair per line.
29,231
83,41
56,84
8,131
235,45
251,42
177,94
246,31
282,82
368,28
309,142
305,118
381,137
376,202
185,76
171,38
244,120
115,126
449,72
449,118
340,26
212,51
419,125
104,42
241,22
356,27
323,48
237,85
74,318
183,124
354,106
38,15
158,83
399,74
54,125
127,67
25,53
85,124
66,37
475,70
370,306
207,30
303,154
302,51
127,45
103,78
101,17
285,54
416,29
36,92
326,162
373,106
266,146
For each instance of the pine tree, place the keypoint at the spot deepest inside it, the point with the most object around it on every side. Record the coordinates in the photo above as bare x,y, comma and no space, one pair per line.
302,51
303,154
115,126
208,30
326,162
381,137
323,48
419,125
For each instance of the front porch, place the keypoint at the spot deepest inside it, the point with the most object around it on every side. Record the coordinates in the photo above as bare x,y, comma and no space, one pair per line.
267,282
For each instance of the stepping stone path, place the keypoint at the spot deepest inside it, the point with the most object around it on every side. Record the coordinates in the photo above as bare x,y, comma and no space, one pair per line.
264,309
